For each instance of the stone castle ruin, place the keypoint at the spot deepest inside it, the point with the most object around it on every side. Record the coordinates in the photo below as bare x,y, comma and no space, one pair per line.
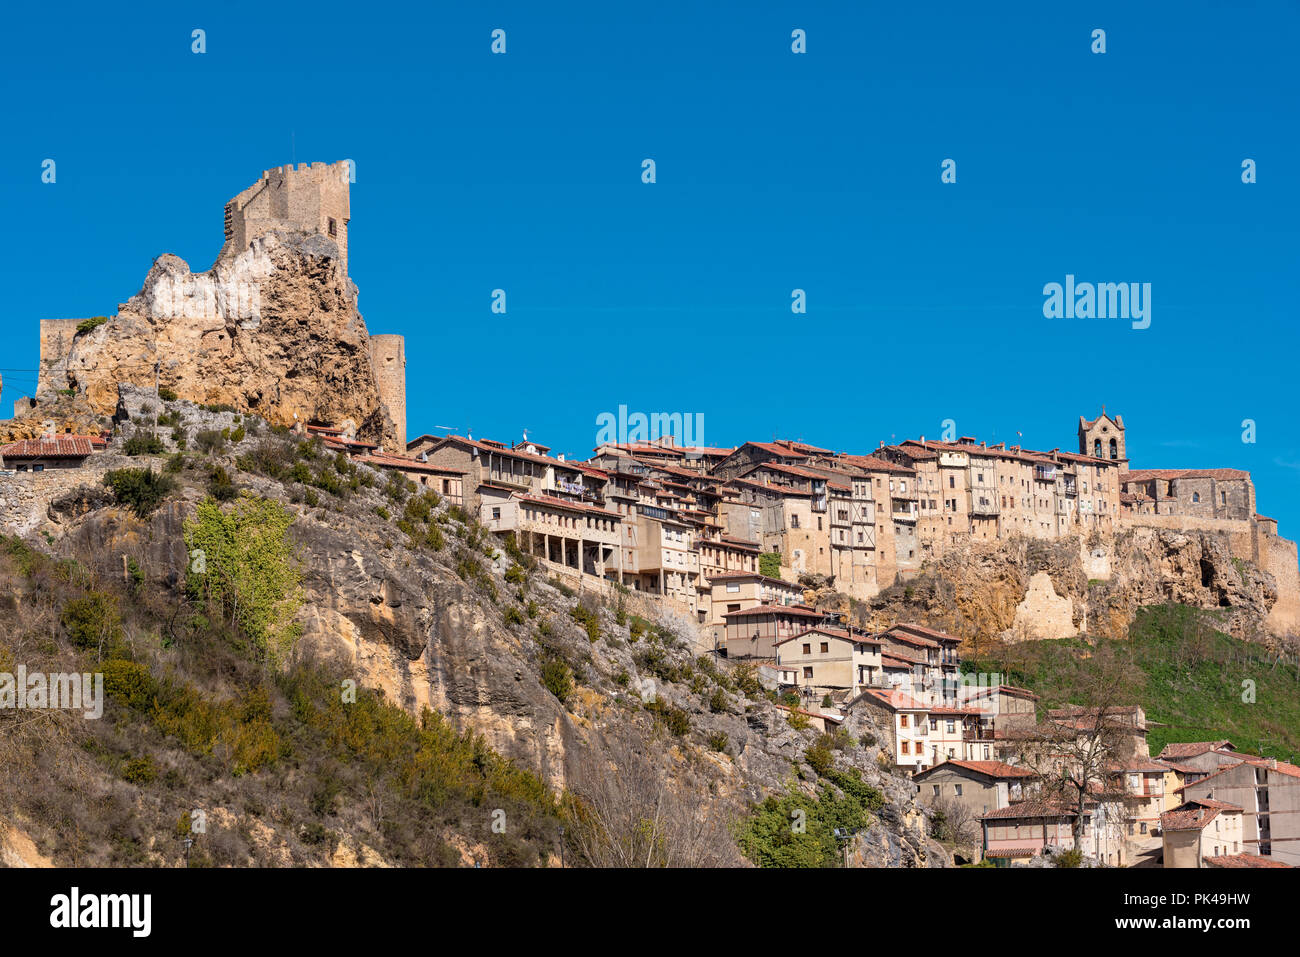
272,328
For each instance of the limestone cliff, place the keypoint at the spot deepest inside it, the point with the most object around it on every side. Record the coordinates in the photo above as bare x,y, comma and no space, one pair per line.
1023,588
273,330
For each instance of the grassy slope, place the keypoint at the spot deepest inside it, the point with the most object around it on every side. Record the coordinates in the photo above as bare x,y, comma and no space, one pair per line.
1191,681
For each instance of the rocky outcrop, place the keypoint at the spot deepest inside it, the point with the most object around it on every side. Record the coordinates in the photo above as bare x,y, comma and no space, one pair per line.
274,331
1024,589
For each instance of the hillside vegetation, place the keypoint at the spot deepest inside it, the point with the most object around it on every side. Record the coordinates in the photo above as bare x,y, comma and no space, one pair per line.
1195,682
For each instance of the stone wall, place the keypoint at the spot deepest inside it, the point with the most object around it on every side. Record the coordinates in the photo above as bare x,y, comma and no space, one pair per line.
25,496
56,343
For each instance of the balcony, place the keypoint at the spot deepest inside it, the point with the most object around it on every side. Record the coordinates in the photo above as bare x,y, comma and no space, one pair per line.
903,511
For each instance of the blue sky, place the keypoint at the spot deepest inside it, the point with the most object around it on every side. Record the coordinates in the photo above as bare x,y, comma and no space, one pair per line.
775,171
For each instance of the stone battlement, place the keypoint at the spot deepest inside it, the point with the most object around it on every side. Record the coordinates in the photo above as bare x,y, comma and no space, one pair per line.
313,199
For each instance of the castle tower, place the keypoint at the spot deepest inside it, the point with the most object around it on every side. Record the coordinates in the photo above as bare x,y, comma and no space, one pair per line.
388,360
310,199
1103,438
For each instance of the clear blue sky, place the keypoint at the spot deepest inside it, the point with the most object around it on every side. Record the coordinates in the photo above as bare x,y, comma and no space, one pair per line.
775,171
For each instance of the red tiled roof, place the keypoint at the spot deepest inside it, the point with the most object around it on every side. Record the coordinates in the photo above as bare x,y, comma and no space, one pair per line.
1243,860
1190,749
400,462
796,611
58,447
1029,809
927,632
565,504
1191,820
1214,805
894,699
992,769
855,636
1142,475
1003,689
1025,850
898,661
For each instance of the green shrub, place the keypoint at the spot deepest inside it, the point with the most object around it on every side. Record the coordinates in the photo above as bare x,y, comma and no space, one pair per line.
141,490
673,718
94,322
1070,858
769,564
589,618
220,486
143,443
514,616
92,621
718,741
166,394
210,441
557,678
819,756
140,770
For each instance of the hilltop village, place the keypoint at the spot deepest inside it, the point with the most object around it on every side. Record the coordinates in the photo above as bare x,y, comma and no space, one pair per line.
741,542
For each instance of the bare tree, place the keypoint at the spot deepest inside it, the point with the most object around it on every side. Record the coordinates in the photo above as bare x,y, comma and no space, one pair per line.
627,812
1078,750
956,822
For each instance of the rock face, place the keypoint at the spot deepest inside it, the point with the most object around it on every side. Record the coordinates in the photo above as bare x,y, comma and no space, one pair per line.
1024,589
274,331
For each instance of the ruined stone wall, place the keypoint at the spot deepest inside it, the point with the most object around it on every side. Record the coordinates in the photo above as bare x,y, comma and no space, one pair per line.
388,359
56,343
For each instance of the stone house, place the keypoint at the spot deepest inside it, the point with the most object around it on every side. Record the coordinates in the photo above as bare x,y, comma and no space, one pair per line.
980,786
1201,828
1268,792
47,453
828,660
753,633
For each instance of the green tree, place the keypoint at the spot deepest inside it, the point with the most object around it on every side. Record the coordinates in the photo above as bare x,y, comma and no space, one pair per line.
242,562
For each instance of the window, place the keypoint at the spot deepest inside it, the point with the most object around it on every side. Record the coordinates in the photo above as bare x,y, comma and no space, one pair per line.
906,748
807,649
334,229
956,789
1096,448
496,513
825,647
1114,449
936,790
794,521
952,725
952,481
902,721
807,673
